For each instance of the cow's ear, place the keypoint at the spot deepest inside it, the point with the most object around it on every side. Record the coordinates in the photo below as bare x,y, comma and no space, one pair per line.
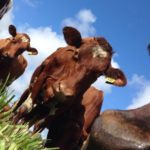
115,76
12,30
72,36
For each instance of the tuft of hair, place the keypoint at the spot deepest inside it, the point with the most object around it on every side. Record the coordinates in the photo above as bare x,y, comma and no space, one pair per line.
5,6
104,43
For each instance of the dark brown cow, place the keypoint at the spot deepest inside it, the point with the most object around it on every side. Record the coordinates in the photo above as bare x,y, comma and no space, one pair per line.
58,84
11,61
121,130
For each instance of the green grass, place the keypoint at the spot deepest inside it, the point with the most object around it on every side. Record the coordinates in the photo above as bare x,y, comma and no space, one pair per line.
15,137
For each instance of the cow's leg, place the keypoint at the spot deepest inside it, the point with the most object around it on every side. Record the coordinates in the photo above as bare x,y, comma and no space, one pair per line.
37,113
24,106
66,131
21,101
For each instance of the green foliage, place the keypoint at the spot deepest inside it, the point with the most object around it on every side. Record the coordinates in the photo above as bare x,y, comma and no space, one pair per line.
5,96
15,137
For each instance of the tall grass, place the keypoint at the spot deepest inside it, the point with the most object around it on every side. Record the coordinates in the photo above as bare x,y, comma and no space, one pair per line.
15,137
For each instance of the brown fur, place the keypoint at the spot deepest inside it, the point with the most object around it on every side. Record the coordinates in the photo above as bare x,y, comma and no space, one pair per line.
92,102
14,67
75,122
121,130
63,78
61,73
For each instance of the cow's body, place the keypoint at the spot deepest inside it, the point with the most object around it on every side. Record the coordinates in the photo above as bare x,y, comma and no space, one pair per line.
121,130
68,76
13,68
64,77
58,84
78,120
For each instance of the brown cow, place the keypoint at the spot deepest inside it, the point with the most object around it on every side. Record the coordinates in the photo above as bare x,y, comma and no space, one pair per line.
58,84
12,61
121,130
63,77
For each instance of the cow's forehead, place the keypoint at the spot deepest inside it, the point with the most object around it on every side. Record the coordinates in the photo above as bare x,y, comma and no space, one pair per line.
92,40
88,39
99,40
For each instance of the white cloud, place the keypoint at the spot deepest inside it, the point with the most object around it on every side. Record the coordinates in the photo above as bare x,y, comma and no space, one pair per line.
83,22
100,84
45,40
142,96
114,64
138,81
86,16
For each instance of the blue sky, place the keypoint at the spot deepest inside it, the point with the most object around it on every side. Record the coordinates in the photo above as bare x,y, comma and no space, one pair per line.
124,23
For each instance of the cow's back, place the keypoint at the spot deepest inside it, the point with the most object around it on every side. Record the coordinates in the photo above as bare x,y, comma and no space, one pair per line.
121,130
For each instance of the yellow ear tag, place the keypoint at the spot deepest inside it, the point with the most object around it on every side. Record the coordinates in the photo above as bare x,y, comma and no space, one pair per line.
110,80
30,53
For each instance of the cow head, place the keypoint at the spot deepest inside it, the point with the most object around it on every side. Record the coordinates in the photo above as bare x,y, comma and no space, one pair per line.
16,46
73,37
95,52
95,49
